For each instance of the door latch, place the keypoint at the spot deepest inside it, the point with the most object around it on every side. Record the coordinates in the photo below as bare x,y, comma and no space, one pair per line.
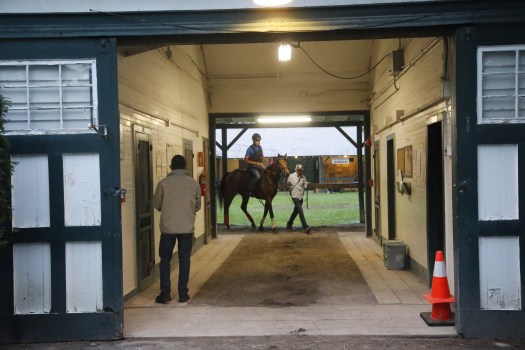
117,192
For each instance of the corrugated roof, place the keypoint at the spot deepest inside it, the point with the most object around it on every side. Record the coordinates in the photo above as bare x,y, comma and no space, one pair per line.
293,141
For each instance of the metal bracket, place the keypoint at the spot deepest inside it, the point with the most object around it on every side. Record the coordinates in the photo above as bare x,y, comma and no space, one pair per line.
102,130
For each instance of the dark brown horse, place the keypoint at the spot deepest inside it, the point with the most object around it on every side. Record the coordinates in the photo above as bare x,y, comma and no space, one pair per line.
266,188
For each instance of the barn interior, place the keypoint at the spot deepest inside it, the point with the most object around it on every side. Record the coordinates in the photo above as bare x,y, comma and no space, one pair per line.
170,97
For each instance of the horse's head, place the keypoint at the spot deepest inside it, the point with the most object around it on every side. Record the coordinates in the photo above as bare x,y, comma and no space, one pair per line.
283,164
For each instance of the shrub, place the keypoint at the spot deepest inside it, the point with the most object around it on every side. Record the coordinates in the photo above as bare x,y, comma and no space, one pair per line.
6,170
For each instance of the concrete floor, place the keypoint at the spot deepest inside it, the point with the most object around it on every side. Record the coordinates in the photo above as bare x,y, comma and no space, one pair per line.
399,297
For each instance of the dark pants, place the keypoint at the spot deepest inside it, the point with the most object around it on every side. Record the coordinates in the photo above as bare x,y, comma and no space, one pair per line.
254,172
166,246
298,209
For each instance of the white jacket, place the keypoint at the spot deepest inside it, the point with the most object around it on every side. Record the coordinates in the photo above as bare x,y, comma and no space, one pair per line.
297,185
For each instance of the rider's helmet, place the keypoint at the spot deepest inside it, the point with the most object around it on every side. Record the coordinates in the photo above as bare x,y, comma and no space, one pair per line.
256,136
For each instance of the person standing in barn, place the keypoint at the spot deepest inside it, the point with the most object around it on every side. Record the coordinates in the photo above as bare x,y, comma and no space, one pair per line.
254,157
297,184
178,198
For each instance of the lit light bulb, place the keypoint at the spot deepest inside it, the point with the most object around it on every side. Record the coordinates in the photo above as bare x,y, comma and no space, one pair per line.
285,52
271,2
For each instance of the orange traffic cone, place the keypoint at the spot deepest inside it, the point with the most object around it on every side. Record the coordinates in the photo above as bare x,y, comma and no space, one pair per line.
439,297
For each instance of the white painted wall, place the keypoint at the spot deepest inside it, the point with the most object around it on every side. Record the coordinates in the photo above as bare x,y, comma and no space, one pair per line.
168,88
418,85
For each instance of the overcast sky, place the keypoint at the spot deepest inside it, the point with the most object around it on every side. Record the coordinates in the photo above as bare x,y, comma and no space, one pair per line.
293,141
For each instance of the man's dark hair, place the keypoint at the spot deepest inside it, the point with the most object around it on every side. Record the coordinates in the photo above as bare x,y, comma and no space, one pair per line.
178,162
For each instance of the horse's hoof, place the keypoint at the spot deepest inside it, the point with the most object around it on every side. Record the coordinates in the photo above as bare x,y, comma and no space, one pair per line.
261,228
254,227
228,227
275,230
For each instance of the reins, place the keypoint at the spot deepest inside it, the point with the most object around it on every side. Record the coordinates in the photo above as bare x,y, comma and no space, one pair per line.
280,173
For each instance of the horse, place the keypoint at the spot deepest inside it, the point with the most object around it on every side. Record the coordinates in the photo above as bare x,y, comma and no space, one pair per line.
266,188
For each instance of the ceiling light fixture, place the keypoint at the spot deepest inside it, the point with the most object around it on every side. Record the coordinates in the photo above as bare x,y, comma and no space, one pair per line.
271,2
285,52
284,119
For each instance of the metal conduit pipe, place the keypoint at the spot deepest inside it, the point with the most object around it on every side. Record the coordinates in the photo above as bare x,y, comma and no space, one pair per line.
418,57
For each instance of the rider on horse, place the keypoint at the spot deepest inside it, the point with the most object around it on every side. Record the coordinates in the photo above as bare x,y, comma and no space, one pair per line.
254,157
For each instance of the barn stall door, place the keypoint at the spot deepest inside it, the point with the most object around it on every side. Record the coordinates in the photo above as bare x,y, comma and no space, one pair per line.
490,182
62,277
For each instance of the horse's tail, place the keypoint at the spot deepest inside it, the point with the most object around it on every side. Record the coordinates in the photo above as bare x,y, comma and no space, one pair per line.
222,189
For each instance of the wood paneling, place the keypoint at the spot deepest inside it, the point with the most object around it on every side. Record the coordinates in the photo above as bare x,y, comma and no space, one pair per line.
32,278
84,277
171,88
30,192
419,84
498,182
81,190
499,273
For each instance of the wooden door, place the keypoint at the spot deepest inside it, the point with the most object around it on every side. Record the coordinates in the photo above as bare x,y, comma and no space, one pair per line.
207,198
391,187
489,182
377,193
144,211
62,277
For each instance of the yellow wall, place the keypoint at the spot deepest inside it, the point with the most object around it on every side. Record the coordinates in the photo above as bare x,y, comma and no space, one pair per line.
403,108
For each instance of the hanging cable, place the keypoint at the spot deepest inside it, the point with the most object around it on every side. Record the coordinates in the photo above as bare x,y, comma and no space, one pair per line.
298,46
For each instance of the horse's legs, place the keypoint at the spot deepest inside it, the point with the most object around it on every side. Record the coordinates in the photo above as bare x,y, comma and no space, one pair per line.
227,202
244,207
270,208
261,228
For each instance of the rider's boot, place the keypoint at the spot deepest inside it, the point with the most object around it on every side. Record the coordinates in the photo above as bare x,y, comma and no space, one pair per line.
251,189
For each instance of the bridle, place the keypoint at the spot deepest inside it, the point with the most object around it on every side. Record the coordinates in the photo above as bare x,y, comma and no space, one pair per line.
283,169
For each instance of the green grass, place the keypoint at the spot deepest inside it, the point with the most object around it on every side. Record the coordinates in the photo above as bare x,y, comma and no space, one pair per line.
324,209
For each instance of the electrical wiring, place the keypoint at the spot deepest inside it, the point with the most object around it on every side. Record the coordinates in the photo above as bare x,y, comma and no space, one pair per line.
334,75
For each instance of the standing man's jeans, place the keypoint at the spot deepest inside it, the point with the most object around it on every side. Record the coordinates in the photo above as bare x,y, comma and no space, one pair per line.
298,209
166,246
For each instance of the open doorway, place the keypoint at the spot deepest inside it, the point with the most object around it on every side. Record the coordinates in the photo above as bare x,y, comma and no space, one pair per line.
224,78
391,187
435,194
377,193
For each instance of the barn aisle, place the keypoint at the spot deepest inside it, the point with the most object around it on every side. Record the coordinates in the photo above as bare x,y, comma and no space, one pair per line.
388,304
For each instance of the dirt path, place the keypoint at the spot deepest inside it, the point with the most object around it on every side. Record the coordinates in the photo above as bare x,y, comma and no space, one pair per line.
286,269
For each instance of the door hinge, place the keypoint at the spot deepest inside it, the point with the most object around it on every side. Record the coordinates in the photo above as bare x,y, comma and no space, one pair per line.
463,186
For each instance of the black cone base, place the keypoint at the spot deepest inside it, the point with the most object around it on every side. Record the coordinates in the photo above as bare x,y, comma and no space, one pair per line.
427,317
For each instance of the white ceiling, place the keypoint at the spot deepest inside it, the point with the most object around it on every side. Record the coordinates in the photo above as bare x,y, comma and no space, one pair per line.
344,58
249,77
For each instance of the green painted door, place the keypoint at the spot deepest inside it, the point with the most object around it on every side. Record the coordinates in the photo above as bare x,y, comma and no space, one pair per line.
489,181
62,257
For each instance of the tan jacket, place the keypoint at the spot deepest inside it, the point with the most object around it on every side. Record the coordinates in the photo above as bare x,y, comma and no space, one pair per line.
297,185
178,198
